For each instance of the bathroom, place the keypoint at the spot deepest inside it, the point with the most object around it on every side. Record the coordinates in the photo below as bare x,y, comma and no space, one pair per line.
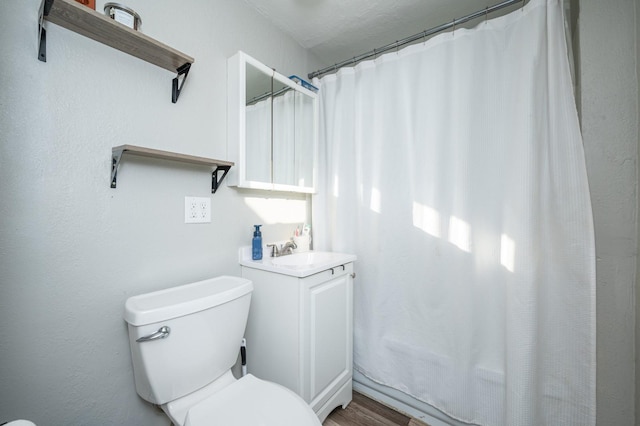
73,249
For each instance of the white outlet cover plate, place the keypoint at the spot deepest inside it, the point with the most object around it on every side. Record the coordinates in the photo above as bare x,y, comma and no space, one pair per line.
197,210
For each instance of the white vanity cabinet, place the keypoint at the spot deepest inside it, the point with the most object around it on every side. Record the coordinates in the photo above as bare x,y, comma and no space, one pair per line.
300,334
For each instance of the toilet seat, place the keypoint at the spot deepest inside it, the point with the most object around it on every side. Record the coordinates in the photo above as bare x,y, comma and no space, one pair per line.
250,401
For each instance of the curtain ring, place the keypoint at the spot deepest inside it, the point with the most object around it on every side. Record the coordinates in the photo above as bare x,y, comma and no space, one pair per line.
522,6
397,47
375,54
486,14
424,36
453,32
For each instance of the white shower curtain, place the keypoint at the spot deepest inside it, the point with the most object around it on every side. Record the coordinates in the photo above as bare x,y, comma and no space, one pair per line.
455,171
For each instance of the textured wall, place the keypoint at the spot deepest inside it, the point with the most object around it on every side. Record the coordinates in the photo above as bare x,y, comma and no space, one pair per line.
637,289
71,248
610,130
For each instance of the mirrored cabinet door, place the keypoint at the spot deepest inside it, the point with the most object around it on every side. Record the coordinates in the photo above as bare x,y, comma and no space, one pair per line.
306,130
284,127
258,124
272,129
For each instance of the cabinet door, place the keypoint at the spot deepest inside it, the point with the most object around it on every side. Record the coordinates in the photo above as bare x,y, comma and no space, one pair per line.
330,336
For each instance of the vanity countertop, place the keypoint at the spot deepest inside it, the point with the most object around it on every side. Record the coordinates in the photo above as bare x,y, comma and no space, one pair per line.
300,264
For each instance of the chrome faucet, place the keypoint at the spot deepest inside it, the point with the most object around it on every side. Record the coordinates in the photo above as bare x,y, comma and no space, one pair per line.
288,248
285,249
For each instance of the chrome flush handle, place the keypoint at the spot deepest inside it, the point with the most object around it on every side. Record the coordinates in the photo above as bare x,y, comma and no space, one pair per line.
160,334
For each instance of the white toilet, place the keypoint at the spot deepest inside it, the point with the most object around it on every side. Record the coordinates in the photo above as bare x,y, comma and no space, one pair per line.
184,341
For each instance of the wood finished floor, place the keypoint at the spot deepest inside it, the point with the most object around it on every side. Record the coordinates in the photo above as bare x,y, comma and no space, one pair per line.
364,411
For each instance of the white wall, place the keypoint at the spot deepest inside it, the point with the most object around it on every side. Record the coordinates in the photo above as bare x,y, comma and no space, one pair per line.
71,248
637,288
610,130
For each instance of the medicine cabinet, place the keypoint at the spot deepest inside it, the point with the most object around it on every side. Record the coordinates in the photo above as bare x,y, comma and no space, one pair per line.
271,128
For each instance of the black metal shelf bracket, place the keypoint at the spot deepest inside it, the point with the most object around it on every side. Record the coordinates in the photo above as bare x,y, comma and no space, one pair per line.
182,71
215,181
45,7
115,162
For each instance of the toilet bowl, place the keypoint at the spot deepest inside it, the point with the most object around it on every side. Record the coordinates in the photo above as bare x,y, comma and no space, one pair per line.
18,423
184,341
251,401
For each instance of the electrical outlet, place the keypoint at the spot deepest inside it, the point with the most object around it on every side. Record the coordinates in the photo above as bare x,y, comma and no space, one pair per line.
197,210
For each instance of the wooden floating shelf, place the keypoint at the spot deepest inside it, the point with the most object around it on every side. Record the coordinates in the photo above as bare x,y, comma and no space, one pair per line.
219,165
168,155
78,18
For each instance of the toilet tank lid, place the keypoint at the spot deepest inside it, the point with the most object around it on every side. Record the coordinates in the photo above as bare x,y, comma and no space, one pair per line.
183,300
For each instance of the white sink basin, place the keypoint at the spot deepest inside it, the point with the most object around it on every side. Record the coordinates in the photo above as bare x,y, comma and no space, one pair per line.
297,264
304,259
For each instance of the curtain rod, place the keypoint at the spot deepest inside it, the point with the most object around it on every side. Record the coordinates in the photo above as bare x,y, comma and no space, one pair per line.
408,40
264,96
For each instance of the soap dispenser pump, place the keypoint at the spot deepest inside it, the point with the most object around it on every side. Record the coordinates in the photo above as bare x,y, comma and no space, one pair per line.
256,244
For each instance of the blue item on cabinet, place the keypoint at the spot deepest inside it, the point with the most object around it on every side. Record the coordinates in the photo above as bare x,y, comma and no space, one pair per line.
256,244
304,83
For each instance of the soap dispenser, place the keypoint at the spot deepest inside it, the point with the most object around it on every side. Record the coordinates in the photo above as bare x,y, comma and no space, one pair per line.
256,244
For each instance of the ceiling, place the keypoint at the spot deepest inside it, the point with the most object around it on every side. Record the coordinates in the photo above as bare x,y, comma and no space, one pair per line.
337,30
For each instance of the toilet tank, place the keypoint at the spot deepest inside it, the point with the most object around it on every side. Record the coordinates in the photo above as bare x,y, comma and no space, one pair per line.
206,319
